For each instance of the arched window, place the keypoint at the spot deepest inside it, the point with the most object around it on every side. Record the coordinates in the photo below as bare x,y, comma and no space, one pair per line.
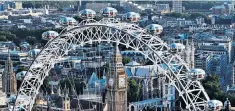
132,108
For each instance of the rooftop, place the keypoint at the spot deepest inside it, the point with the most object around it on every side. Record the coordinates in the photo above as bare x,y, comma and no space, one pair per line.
148,101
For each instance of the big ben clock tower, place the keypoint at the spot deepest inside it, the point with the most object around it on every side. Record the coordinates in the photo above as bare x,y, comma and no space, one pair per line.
117,84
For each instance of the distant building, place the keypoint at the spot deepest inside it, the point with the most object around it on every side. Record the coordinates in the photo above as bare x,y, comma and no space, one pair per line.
200,20
26,21
11,5
203,61
219,10
8,44
97,6
140,105
219,63
179,22
133,55
2,8
18,5
177,6
163,8
222,20
15,56
233,74
213,44
232,7
3,99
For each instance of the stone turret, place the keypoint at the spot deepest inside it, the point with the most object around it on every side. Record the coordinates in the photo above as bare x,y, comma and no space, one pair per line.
227,105
145,88
59,91
66,101
192,55
187,54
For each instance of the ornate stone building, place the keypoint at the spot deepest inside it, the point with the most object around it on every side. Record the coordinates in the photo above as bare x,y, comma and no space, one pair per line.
117,84
8,78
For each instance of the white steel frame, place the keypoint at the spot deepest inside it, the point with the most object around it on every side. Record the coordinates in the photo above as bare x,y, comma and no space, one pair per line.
111,31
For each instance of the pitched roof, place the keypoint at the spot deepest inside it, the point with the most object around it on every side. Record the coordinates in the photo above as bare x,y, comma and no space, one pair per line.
132,63
93,79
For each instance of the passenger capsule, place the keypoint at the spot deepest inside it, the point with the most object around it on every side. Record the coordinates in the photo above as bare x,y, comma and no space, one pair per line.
67,21
87,14
109,12
20,75
215,105
197,74
154,29
177,47
12,98
48,35
131,17
34,52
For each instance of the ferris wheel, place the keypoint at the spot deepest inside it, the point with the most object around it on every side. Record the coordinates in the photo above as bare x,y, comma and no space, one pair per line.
122,33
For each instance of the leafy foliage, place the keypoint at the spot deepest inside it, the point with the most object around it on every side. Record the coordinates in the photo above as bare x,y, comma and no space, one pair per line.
213,88
17,35
31,40
198,5
176,15
8,36
3,38
40,4
126,60
133,91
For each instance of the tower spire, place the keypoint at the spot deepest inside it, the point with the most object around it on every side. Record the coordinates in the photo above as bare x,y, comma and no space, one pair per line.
52,89
104,74
192,54
117,49
117,81
59,91
9,55
8,78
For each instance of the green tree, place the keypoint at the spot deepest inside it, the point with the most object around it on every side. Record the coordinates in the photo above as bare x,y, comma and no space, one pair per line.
60,9
8,36
31,40
133,91
46,88
40,4
213,88
126,60
3,38
195,15
174,14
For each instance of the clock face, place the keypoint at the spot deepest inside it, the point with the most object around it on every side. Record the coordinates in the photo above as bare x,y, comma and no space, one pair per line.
110,82
122,83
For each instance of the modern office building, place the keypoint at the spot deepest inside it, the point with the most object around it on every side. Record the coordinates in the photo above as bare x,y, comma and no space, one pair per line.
213,44
15,55
203,61
177,6
163,8
233,74
218,64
